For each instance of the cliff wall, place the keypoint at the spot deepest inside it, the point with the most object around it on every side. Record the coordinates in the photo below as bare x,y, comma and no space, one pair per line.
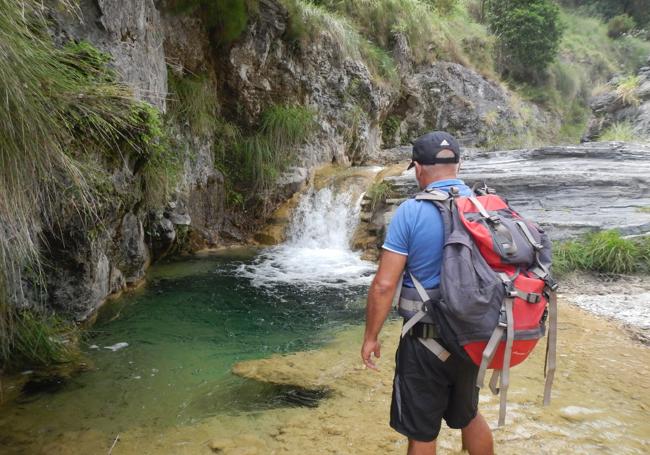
358,110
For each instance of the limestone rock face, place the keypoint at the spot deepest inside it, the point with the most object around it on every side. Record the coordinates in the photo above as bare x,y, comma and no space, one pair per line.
263,68
131,31
448,96
609,108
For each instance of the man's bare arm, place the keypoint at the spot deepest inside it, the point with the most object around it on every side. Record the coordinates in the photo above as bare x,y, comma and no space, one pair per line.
380,298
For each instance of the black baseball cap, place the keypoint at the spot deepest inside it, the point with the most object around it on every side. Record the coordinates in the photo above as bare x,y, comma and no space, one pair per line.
427,147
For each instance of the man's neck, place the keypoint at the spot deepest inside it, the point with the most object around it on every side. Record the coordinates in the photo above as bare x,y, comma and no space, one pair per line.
438,179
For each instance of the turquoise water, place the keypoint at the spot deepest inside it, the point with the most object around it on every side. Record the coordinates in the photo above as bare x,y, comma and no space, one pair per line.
185,329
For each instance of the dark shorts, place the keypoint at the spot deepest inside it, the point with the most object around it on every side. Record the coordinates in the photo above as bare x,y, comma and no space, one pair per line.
427,390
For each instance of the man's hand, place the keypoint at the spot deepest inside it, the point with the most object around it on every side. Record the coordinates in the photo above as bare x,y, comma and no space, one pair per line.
369,347
380,298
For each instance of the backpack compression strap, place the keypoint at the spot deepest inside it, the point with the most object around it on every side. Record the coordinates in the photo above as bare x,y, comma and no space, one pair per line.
431,344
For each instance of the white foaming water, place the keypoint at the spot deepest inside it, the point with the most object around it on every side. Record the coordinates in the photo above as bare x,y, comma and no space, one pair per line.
317,251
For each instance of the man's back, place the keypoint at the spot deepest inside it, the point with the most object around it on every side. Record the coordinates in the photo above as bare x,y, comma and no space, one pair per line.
417,231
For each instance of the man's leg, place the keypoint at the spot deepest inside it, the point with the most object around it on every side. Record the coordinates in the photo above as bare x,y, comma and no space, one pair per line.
421,448
477,437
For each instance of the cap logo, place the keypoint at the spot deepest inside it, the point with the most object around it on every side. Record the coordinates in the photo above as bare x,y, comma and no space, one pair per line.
444,142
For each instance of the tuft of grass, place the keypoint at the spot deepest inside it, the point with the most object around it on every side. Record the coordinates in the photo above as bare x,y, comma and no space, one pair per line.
625,91
609,252
378,193
621,131
261,157
310,22
605,252
40,340
193,101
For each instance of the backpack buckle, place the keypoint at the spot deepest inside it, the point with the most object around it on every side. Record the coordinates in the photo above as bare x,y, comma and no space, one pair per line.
551,283
503,317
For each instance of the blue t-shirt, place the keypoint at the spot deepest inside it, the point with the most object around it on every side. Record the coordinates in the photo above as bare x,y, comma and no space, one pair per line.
417,231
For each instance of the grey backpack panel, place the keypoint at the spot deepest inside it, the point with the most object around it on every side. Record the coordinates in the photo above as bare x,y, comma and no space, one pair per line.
473,292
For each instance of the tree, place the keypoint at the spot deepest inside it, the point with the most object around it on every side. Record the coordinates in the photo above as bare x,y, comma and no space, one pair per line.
528,34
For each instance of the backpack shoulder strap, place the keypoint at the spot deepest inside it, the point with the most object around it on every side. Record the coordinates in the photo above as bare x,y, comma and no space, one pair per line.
432,195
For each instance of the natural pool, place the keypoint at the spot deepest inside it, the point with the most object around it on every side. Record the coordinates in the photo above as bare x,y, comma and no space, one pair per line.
185,329
193,320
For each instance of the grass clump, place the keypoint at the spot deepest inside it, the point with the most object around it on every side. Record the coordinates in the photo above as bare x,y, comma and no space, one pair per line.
434,29
620,131
378,193
40,340
626,88
605,252
260,158
309,22
193,100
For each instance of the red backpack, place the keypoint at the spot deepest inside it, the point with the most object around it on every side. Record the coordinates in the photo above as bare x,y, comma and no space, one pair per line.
496,290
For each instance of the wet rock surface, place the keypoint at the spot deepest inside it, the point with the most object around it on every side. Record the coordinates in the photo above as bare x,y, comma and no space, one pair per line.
569,190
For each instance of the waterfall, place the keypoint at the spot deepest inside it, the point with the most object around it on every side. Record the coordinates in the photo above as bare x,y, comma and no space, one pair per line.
317,251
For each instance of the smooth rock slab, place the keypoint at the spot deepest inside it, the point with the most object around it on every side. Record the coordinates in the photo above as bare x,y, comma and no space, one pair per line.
569,190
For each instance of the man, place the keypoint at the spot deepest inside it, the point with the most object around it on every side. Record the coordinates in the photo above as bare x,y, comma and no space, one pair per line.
426,389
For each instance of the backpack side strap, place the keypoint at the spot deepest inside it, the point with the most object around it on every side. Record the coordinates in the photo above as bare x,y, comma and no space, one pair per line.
507,325
551,347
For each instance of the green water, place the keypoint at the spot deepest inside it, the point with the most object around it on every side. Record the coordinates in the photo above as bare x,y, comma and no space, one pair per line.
193,320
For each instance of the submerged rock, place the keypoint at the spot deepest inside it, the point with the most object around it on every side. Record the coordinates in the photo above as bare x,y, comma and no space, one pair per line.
117,346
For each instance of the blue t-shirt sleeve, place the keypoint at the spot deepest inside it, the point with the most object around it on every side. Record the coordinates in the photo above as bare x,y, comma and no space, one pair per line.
397,237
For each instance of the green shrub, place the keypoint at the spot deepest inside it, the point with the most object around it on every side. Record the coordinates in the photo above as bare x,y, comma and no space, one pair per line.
389,129
528,36
619,25
227,19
